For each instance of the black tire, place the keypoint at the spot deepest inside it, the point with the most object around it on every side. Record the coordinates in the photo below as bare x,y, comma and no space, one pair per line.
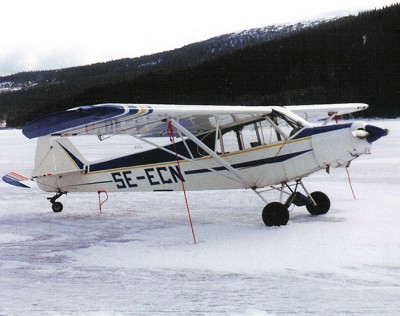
57,207
323,204
275,214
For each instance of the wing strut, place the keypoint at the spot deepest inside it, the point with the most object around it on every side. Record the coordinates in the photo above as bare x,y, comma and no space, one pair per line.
143,139
217,158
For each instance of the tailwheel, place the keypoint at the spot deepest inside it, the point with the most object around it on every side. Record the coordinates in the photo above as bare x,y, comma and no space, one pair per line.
275,214
57,207
322,202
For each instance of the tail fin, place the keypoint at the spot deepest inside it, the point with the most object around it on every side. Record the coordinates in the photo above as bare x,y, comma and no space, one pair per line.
57,156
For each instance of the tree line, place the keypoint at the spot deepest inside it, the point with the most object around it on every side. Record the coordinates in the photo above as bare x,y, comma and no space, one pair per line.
352,59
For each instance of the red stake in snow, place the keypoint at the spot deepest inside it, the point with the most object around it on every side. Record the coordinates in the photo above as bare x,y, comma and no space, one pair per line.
171,133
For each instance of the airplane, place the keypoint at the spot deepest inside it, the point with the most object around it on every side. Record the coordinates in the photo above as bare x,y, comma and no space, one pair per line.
260,148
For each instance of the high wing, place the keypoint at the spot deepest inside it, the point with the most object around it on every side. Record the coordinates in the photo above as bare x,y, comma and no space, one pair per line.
150,120
145,120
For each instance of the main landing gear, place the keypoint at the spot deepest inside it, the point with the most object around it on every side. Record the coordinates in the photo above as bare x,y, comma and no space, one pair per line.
56,206
277,213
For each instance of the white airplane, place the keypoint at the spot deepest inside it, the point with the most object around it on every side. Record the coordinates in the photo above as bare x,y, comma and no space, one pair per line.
209,148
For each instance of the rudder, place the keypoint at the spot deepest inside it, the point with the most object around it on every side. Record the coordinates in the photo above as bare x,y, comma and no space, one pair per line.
56,156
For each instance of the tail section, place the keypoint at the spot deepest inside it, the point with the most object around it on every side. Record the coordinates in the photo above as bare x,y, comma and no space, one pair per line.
56,157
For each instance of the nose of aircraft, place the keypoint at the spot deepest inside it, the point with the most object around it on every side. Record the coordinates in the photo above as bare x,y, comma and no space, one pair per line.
374,133
369,132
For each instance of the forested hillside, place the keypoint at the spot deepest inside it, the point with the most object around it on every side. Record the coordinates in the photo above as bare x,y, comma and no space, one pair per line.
352,59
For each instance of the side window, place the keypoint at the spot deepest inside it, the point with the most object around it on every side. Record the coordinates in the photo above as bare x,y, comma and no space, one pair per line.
229,143
249,136
269,130
269,133
252,135
262,133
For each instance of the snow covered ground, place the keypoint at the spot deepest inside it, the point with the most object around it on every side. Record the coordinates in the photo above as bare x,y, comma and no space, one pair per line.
138,256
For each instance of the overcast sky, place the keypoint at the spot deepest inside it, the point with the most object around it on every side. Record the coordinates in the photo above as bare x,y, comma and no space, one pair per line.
52,34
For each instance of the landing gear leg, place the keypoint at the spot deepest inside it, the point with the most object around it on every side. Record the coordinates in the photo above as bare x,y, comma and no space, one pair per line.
317,203
277,213
56,206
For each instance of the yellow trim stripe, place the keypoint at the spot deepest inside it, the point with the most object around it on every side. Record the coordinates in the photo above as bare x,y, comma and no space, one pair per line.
202,158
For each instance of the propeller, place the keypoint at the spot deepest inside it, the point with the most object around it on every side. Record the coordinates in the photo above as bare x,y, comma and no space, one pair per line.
370,132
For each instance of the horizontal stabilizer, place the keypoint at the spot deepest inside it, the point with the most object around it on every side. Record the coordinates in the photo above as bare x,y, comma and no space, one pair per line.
14,178
59,174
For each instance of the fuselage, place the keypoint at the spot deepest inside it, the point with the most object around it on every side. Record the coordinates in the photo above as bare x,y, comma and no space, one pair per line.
305,152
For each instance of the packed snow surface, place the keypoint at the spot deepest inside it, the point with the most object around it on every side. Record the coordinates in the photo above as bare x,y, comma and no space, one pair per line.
138,257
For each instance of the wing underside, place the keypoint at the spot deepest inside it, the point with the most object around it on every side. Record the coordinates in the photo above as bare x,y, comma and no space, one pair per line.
145,120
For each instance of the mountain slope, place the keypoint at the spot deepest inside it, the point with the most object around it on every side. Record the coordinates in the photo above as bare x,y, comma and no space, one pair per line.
128,68
352,59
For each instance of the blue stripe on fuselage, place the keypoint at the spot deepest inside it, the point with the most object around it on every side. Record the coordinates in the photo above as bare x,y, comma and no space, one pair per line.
309,131
252,163
157,155
148,157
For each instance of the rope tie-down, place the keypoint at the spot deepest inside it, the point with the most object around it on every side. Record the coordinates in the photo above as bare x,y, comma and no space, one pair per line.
171,134
100,201
349,179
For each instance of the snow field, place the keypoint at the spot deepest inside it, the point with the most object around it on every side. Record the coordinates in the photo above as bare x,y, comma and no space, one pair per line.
138,257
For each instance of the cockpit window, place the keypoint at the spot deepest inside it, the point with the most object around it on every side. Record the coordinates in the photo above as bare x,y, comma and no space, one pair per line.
272,128
277,126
